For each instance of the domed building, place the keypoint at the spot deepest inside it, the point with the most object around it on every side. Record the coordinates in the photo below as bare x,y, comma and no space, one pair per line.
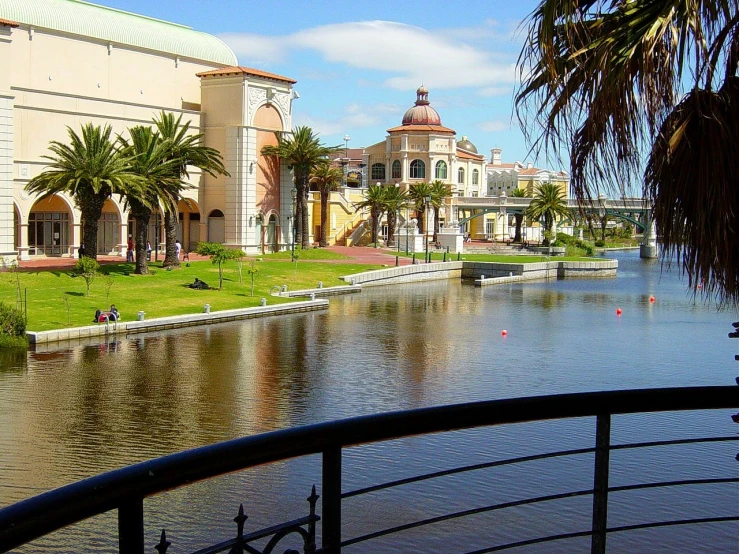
421,149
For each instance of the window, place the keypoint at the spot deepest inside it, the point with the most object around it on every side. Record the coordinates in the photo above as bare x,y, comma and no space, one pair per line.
475,177
441,170
460,176
378,171
418,169
396,169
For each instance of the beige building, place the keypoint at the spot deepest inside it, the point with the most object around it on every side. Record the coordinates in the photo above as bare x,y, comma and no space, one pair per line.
64,63
421,150
503,177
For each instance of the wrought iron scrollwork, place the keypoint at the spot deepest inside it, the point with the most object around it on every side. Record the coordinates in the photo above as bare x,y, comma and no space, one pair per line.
304,526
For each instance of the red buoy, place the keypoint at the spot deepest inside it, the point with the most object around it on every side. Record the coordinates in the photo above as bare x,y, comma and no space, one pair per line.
504,333
618,311
652,299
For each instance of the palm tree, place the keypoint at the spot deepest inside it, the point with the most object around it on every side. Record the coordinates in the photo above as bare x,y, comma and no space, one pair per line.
375,200
188,150
548,203
604,79
439,192
327,178
418,194
89,169
161,183
302,152
395,200
518,193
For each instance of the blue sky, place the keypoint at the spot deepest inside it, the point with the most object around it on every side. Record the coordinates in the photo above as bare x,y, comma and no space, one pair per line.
358,64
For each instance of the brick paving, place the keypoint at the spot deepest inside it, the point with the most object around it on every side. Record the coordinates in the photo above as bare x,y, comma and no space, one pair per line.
355,254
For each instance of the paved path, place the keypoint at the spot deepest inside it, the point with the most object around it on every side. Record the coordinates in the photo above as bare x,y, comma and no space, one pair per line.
355,254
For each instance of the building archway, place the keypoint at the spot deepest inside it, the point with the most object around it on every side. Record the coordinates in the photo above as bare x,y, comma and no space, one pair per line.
16,228
272,233
216,227
109,228
50,227
188,228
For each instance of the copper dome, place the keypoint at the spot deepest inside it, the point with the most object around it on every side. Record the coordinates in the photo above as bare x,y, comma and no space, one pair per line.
465,144
422,113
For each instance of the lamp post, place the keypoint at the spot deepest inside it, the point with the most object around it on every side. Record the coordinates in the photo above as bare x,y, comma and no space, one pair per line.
294,195
426,226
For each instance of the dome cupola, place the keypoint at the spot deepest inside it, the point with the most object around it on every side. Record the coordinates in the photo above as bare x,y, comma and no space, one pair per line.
422,113
465,144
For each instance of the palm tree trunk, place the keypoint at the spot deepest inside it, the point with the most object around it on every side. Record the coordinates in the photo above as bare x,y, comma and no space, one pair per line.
392,222
421,220
323,242
141,215
92,211
170,234
519,220
436,223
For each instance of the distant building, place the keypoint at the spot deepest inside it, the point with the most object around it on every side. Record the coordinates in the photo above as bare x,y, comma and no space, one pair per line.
507,177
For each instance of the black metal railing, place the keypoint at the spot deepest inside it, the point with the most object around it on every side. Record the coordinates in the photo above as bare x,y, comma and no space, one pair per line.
125,489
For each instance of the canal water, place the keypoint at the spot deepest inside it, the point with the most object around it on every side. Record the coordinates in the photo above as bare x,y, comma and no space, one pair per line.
73,412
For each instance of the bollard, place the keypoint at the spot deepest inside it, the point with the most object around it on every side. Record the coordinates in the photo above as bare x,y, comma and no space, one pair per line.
396,261
263,302
510,274
320,284
459,255
206,308
284,288
445,255
312,295
141,315
482,277
414,259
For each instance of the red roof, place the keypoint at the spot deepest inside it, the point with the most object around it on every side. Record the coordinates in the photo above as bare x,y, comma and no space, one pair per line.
463,154
8,22
433,128
239,70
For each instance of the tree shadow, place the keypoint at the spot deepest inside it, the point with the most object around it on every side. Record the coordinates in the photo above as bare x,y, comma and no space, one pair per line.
72,293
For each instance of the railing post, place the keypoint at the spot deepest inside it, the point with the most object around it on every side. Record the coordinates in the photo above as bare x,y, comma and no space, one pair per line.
131,527
600,483
331,516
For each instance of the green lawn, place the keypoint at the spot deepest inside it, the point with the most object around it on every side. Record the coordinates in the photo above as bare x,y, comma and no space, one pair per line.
56,299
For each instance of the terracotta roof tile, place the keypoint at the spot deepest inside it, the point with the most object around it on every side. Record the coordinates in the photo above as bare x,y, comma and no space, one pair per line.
465,155
434,128
8,22
240,70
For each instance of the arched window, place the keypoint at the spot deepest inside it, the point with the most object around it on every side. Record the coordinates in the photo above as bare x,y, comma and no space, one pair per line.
378,171
441,170
396,169
418,169
460,176
475,177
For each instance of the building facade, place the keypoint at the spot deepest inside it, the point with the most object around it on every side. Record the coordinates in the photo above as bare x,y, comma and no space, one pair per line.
66,63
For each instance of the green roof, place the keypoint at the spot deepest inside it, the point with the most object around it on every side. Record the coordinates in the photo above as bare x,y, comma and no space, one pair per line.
119,27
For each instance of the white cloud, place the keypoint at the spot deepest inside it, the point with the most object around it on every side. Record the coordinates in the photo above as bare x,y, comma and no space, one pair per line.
354,116
413,54
495,91
494,125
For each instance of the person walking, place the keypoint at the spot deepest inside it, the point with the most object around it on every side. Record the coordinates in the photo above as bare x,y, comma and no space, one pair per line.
129,251
148,251
177,249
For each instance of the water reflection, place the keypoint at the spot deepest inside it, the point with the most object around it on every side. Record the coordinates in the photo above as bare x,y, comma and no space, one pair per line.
84,408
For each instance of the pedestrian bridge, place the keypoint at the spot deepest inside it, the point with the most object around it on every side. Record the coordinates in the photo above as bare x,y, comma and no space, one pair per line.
634,210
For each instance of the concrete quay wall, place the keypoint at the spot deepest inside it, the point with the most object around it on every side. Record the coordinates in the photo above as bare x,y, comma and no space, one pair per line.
494,272
173,322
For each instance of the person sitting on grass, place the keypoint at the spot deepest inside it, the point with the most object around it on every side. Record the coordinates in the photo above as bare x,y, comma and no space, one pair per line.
114,315
199,285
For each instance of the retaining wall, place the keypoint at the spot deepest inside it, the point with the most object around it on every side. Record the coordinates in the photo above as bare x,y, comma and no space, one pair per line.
174,322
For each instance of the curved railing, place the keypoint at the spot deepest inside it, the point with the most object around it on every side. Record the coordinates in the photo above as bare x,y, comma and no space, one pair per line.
125,489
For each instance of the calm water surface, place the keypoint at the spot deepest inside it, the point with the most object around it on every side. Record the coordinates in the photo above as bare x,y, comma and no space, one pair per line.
74,412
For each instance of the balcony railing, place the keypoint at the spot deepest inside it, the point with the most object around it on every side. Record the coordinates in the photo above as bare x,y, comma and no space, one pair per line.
126,489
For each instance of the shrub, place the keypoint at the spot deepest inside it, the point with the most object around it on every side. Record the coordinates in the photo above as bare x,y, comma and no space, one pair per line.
88,268
565,239
600,243
12,322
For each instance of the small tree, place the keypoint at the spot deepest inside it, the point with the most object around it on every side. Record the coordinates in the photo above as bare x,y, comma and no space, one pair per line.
219,254
87,268
252,271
